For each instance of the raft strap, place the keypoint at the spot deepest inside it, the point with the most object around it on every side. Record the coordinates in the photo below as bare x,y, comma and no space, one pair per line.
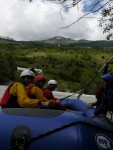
66,126
23,145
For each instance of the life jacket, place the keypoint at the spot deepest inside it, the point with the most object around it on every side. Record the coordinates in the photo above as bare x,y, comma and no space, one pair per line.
106,102
29,87
7,100
99,92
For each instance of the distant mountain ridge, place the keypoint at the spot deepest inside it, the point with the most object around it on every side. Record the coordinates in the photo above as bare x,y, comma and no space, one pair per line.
6,38
57,38
60,38
63,41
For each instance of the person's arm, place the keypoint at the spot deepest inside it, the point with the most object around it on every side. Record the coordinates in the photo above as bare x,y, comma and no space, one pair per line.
39,95
101,107
94,103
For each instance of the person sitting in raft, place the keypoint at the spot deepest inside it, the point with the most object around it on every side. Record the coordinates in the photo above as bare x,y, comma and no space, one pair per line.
40,81
106,98
99,91
47,91
68,103
17,94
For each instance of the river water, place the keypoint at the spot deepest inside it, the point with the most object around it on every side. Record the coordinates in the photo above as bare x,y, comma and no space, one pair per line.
84,97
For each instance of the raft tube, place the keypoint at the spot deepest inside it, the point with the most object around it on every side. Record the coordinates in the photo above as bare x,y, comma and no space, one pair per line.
39,129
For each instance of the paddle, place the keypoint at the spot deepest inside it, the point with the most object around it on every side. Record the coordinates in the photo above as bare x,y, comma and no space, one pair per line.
82,90
77,92
94,77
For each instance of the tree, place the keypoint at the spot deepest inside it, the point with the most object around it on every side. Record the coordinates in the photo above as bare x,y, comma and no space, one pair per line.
4,69
105,7
107,21
7,67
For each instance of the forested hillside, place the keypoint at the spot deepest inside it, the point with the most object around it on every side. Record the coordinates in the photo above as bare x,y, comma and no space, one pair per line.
73,67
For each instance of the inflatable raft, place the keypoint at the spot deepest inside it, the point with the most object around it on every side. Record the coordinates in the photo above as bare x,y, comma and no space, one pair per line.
40,129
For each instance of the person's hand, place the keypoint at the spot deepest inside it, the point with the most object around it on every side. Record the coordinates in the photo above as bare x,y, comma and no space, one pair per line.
89,105
93,116
45,104
58,101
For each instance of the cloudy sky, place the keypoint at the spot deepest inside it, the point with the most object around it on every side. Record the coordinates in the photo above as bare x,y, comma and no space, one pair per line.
41,20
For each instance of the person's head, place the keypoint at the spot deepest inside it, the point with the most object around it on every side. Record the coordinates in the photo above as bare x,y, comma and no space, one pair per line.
106,80
27,77
52,84
39,81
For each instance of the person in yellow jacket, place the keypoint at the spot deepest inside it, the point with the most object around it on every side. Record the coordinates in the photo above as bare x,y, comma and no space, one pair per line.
17,95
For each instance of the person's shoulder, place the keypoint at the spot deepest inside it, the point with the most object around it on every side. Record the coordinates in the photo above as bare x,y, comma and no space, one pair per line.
17,84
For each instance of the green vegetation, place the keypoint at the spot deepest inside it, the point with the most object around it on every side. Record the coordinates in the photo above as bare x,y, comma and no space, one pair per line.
73,67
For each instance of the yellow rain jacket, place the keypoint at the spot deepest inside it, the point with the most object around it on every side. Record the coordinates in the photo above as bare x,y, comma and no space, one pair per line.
20,91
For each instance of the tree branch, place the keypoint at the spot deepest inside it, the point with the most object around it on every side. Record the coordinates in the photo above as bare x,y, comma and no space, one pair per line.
87,14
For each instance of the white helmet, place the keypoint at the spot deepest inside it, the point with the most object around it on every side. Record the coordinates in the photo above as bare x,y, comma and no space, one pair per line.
27,72
52,82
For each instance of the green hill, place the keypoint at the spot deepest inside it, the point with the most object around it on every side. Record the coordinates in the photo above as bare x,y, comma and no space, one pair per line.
79,43
72,66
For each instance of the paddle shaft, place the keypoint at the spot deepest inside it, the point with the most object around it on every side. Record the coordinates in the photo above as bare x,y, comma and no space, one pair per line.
72,94
82,90
94,77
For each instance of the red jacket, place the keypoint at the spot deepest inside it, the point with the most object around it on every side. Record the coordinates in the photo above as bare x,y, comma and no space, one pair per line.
48,94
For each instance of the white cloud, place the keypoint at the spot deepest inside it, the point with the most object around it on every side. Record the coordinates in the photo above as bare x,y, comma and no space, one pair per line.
39,20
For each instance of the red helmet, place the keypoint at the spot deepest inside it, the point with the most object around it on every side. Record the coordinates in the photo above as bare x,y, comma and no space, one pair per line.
39,78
